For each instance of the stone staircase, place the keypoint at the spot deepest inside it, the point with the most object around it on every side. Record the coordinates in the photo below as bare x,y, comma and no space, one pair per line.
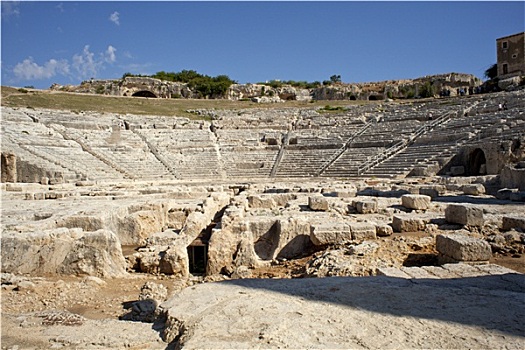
396,160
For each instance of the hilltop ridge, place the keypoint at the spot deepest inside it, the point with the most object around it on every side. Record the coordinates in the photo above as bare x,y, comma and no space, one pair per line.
449,84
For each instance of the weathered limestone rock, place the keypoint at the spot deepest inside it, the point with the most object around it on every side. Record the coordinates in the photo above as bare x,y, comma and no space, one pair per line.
513,222
331,263
84,222
318,203
362,230
432,191
513,177
414,201
174,261
241,272
346,193
464,214
146,308
270,201
462,248
8,167
294,237
63,251
383,230
474,189
366,207
224,241
262,201
408,223
330,233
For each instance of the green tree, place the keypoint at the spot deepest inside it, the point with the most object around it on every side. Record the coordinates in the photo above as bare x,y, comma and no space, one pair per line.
335,78
492,72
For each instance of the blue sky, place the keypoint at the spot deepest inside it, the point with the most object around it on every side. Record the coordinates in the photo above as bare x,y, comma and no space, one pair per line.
67,42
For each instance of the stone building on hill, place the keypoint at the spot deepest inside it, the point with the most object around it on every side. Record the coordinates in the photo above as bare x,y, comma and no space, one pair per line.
511,56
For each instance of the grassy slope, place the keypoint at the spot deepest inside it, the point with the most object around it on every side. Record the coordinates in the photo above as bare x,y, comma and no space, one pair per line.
12,97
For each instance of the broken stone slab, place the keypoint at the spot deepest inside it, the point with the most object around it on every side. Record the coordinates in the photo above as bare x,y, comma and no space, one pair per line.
432,191
362,230
330,233
365,207
63,251
175,261
364,248
513,222
318,203
473,189
418,272
409,222
462,248
464,214
261,202
415,201
270,200
384,230
392,272
346,193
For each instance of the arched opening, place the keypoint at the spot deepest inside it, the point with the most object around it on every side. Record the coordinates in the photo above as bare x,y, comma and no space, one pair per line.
353,98
477,163
144,93
375,98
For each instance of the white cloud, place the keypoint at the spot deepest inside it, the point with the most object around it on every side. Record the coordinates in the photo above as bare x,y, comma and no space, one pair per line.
114,17
27,69
10,8
60,7
110,54
85,64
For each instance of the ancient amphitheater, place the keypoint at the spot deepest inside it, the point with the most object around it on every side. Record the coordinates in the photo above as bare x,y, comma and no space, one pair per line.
152,232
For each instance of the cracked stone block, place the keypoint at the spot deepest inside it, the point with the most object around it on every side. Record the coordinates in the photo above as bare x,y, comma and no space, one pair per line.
261,201
432,191
384,230
318,203
510,222
474,189
462,248
332,233
415,201
408,223
464,214
362,230
366,207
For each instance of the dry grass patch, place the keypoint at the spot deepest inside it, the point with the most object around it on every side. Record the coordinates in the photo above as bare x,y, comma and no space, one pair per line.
12,97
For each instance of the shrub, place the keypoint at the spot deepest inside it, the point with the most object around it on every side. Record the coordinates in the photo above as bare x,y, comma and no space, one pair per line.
329,108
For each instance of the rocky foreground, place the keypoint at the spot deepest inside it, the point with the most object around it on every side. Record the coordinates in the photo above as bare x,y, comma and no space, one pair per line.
474,308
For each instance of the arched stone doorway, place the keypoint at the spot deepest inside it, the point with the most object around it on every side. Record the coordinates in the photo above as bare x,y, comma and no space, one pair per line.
375,98
144,93
477,163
